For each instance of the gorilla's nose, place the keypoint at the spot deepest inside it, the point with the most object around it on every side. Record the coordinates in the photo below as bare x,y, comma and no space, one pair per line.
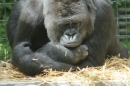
70,32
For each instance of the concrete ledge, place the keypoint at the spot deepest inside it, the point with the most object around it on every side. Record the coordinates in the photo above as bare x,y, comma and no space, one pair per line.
113,83
17,83
64,83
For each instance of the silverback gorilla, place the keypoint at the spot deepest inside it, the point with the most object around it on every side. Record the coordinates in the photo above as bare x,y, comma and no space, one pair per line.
62,34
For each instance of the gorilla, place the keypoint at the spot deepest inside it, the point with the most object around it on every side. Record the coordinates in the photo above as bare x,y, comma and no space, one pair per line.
62,34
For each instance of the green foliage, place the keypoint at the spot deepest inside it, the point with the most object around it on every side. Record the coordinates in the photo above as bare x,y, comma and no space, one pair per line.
125,5
5,10
121,4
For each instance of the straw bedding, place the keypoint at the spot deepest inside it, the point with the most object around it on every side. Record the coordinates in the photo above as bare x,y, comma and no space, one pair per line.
113,69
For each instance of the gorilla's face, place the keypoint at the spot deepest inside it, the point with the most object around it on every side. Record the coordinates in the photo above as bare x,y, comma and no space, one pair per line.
68,22
71,35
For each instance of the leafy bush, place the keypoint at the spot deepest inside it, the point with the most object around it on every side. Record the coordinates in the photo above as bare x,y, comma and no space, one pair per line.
5,10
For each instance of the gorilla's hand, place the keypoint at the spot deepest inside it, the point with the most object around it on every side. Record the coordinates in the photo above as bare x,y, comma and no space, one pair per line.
68,55
80,52
22,48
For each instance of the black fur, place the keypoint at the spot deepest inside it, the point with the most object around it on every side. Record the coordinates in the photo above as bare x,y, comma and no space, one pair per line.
62,34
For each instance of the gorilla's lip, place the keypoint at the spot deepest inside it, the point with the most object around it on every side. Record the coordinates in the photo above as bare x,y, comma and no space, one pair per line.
72,44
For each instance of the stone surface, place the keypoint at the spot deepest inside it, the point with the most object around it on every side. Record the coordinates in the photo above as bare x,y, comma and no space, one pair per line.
64,83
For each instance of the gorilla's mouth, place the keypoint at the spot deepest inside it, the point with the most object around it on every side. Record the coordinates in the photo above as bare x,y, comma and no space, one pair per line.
72,44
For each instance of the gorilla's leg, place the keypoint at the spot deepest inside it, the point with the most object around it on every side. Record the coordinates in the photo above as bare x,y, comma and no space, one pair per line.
123,51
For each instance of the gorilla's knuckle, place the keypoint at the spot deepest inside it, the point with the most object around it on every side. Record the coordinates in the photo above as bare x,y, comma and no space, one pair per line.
85,53
84,47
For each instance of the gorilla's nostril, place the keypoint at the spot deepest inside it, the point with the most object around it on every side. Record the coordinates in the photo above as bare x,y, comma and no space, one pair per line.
70,32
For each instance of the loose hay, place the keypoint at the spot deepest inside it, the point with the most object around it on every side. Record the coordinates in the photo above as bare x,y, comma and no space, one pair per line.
113,69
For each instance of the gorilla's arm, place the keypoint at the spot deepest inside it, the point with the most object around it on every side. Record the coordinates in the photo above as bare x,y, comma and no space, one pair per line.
32,63
62,54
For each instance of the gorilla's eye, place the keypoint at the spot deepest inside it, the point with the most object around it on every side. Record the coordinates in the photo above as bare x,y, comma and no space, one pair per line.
58,0
88,6
68,26
63,26
75,0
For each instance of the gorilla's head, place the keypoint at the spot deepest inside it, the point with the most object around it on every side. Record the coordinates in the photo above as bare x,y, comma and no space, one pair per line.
68,22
